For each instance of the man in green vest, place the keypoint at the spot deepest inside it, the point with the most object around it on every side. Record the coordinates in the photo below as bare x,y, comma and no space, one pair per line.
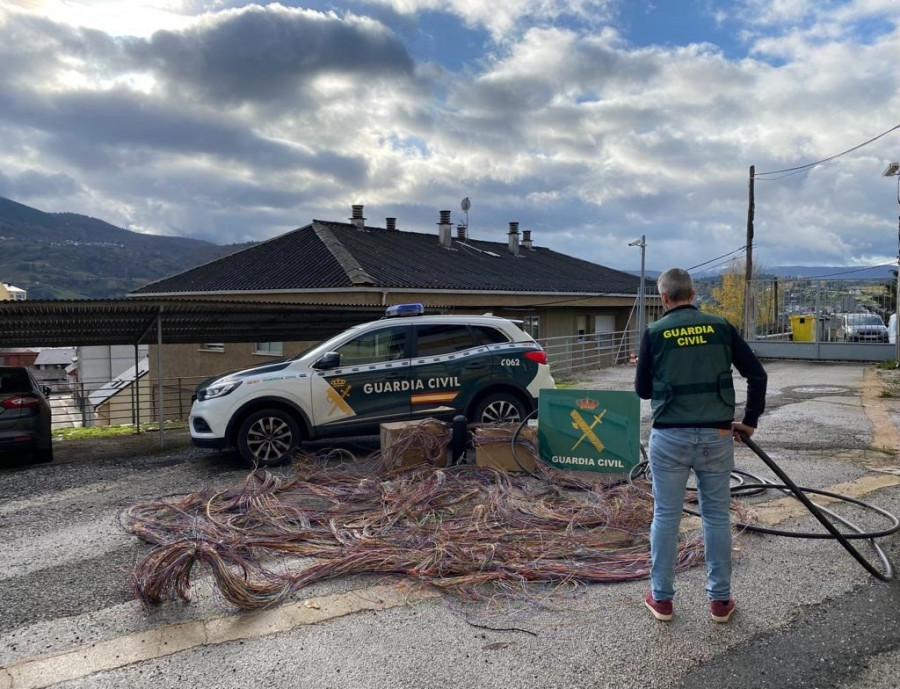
684,368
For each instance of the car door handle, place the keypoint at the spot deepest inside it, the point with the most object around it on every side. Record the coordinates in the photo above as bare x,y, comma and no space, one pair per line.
474,366
394,375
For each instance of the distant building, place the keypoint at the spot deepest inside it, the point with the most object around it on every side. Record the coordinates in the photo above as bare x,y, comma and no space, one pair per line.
19,356
51,364
12,293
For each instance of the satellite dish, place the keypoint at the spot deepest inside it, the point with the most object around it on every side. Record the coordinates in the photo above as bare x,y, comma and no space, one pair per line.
465,204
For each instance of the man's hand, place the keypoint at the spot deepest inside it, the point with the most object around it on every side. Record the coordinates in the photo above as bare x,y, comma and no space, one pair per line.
737,428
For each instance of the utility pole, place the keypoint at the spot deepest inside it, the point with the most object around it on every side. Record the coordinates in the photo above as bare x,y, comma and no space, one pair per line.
642,242
897,293
748,273
893,170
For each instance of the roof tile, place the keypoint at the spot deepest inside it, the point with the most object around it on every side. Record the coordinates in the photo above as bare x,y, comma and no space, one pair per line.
329,254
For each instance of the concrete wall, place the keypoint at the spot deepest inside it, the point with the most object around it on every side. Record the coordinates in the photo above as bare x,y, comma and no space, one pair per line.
824,351
192,362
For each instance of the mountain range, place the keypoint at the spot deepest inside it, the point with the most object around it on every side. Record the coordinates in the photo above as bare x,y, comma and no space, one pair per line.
71,256
885,272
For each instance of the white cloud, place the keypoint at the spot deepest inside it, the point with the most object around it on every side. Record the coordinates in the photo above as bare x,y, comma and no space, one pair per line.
244,122
112,16
509,17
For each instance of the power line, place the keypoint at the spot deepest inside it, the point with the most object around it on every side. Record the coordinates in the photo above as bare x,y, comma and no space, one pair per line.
799,168
847,272
699,265
718,265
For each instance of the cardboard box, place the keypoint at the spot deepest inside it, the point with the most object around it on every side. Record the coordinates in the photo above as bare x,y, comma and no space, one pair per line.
492,448
404,443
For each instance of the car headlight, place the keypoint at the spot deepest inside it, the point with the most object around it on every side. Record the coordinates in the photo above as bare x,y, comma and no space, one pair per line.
217,390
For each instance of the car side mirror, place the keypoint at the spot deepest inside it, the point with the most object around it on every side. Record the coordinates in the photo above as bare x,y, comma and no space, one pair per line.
328,361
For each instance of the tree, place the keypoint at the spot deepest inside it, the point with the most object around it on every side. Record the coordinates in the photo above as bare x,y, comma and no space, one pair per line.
727,299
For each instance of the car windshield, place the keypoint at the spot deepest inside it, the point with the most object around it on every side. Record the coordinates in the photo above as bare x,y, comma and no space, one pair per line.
864,319
326,346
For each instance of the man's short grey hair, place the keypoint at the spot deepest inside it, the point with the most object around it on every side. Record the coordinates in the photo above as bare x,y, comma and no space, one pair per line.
677,283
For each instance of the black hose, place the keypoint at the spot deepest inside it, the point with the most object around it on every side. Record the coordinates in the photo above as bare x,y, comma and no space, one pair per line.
843,539
819,512
515,437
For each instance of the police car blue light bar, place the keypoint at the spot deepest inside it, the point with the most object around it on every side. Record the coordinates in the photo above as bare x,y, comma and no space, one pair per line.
404,310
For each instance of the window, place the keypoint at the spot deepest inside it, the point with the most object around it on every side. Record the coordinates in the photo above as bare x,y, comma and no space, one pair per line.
212,347
269,348
488,335
446,338
604,328
532,326
387,344
581,326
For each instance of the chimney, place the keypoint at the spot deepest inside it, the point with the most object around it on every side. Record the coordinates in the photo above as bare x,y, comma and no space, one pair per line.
357,220
461,232
391,223
444,227
513,237
526,238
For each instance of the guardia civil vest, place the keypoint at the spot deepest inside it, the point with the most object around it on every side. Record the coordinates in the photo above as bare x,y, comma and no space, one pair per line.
692,382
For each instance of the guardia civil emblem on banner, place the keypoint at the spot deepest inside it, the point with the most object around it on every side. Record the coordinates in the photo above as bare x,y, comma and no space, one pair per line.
589,430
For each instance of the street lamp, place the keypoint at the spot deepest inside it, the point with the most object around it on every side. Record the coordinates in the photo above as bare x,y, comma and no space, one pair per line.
643,244
893,170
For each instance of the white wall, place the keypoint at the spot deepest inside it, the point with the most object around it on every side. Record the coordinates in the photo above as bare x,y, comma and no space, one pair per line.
99,364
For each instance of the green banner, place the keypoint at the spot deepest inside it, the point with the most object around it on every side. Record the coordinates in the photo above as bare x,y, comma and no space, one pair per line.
589,430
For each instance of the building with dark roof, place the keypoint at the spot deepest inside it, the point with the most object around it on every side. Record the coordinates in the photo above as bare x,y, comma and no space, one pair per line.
353,263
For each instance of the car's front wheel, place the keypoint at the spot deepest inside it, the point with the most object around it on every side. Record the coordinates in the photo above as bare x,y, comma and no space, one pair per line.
500,407
268,437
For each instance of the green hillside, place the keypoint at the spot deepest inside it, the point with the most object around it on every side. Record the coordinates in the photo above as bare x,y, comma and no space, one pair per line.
70,256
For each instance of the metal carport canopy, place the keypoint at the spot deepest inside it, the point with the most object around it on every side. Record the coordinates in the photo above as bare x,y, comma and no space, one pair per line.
63,323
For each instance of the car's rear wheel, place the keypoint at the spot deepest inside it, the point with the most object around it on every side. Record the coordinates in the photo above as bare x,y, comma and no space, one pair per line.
43,455
268,437
500,407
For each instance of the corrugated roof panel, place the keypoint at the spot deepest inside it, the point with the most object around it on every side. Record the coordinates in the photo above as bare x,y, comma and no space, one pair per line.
134,321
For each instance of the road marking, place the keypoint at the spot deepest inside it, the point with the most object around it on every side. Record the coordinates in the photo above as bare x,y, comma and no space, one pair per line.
777,511
41,671
884,430
885,435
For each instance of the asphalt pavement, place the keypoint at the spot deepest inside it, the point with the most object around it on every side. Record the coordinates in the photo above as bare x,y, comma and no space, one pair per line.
808,614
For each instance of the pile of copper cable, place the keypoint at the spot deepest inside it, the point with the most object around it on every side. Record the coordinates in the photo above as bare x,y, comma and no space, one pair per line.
472,530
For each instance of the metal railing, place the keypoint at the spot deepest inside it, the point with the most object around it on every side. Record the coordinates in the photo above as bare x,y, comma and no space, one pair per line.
819,319
572,354
814,310
100,403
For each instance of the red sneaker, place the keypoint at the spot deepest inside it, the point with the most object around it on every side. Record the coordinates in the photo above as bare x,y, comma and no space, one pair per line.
721,610
661,609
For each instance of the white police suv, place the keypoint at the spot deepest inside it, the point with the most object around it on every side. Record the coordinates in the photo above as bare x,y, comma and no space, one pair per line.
404,366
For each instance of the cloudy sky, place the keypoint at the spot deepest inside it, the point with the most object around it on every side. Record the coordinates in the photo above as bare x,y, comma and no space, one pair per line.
590,122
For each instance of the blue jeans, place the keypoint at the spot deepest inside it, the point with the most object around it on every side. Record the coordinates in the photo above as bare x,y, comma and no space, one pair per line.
673,453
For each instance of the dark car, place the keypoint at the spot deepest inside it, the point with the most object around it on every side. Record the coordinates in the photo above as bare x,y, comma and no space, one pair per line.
25,429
